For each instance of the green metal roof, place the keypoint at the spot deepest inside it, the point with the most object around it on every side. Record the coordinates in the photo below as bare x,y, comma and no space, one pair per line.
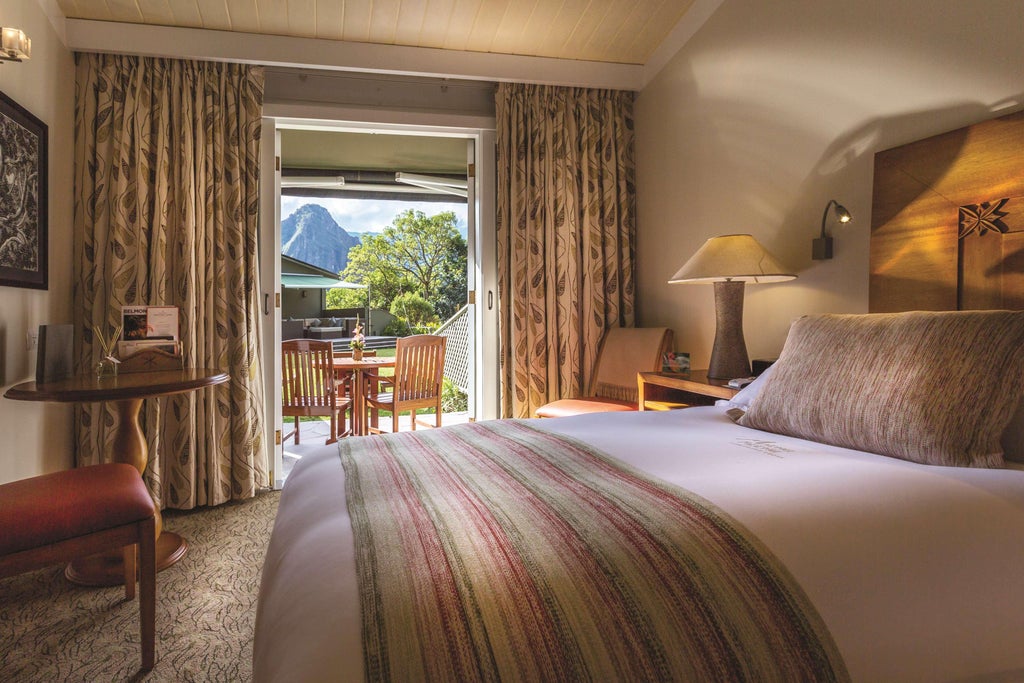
298,281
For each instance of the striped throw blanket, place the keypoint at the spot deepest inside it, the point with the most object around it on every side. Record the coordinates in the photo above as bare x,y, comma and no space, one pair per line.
498,551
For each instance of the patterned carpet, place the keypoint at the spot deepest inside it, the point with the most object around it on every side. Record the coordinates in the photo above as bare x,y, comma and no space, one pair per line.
51,630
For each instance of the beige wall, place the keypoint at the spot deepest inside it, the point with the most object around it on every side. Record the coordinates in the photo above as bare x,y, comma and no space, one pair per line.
775,107
769,111
36,437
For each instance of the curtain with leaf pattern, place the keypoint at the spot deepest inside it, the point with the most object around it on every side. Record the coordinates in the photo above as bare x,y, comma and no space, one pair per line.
166,201
566,229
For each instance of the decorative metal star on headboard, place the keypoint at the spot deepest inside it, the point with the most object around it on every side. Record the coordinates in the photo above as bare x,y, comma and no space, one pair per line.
983,217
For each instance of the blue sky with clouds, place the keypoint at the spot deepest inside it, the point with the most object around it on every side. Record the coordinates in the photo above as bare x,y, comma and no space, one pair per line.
371,215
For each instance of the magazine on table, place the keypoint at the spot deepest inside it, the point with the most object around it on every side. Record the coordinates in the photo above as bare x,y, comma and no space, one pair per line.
149,327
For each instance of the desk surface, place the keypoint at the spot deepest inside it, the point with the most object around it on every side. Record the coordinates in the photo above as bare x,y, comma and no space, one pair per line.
84,388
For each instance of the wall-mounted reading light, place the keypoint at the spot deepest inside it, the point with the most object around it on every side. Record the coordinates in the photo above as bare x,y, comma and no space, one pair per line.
15,46
822,246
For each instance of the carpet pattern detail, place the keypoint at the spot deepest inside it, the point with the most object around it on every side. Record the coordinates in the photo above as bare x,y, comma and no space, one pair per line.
52,630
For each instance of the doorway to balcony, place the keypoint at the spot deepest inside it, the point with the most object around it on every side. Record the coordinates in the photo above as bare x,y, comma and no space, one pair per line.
359,185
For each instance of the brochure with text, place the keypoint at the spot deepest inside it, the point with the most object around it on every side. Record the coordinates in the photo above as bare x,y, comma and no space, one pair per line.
148,327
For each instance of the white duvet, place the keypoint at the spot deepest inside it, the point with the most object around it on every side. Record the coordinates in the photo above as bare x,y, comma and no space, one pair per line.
918,571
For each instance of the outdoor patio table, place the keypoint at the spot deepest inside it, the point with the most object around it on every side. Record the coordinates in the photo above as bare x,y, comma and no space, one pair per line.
359,369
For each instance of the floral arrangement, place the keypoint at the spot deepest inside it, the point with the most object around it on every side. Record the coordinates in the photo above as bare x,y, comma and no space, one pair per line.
358,342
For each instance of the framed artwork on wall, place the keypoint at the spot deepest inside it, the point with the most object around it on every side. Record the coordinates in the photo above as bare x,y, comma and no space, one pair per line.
23,197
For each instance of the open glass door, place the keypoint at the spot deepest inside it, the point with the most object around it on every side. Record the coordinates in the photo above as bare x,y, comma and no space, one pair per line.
484,282
477,337
471,277
270,291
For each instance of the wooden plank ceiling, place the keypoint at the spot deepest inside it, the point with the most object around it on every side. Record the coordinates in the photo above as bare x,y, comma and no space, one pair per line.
613,31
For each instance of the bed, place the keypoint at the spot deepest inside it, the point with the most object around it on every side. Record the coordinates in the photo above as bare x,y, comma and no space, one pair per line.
898,566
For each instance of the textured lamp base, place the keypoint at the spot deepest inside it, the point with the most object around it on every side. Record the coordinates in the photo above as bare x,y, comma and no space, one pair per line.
729,355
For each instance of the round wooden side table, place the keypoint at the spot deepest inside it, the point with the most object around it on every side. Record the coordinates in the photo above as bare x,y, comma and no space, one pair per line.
127,391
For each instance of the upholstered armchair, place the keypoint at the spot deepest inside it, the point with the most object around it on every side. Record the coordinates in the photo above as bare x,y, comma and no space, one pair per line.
624,352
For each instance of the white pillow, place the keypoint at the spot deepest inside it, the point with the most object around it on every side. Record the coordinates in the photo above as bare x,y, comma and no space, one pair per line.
745,396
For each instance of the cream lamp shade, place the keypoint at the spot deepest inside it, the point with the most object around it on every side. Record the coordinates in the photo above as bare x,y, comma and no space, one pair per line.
729,262
732,258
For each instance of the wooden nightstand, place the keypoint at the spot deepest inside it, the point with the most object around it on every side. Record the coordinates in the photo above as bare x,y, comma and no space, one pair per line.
667,391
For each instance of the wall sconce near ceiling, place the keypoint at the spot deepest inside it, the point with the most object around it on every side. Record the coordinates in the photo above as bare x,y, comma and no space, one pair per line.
15,46
729,262
821,248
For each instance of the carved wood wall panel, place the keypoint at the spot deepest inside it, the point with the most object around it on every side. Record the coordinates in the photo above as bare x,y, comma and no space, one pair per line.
927,194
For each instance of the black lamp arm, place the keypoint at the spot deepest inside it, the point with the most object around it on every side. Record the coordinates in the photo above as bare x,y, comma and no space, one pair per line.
824,214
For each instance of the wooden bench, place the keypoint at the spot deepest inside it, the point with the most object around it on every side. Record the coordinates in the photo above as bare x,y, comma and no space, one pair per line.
55,518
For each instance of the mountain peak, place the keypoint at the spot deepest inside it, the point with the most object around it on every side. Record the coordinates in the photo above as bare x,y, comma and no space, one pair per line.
312,209
312,235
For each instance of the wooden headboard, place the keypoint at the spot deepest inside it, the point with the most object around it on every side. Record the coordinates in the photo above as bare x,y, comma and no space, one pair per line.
947,226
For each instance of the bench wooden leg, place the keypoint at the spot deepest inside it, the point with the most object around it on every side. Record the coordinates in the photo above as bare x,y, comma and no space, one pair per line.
129,552
147,590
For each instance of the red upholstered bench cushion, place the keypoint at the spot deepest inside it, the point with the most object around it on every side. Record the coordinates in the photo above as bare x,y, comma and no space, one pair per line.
581,406
54,507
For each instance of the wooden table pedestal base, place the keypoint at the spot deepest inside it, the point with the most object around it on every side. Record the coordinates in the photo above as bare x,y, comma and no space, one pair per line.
108,569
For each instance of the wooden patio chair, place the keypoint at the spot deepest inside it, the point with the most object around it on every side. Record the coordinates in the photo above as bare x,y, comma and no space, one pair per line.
624,352
419,368
309,388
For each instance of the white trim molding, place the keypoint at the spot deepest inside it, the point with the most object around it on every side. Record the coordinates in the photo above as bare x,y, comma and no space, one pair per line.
314,53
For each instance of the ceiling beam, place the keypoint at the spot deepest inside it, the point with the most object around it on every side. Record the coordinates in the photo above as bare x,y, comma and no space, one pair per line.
695,17
313,53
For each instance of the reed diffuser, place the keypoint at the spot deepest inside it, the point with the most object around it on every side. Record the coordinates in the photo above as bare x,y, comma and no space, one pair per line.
106,366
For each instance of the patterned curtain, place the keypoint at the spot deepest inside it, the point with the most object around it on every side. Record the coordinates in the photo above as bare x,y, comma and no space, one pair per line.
566,235
166,199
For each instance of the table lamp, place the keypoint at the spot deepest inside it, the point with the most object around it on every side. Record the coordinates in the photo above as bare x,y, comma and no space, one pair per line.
729,262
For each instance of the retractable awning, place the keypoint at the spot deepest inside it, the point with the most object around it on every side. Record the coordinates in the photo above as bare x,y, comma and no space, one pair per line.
298,281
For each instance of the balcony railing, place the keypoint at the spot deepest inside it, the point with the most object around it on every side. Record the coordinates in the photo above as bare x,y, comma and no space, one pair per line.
456,358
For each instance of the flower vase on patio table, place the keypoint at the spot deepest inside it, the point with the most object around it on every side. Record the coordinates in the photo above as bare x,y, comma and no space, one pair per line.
357,354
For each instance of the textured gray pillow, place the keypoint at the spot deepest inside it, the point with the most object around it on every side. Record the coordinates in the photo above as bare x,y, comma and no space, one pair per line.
1013,437
932,387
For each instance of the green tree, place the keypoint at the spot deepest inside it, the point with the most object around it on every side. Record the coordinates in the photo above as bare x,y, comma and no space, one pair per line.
346,298
451,292
416,253
414,310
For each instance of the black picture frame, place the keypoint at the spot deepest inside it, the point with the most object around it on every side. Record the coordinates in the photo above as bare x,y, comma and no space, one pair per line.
24,184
